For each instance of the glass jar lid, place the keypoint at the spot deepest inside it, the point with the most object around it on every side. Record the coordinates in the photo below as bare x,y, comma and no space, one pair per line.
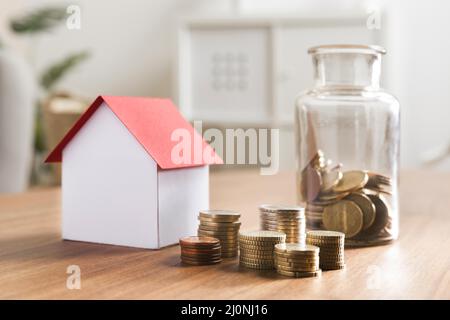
342,48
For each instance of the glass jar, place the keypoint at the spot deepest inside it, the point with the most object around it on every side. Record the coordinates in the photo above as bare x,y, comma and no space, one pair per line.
347,137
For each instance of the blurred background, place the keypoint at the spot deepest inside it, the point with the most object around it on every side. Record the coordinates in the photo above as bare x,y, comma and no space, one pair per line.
232,64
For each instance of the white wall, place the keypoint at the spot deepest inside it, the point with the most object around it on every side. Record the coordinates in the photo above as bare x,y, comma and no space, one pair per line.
133,44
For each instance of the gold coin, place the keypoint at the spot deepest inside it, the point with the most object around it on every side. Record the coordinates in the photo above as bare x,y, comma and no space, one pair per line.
325,234
335,267
219,229
221,220
256,249
234,224
256,253
326,246
255,260
215,234
351,181
219,214
381,215
281,209
344,216
331,197
297,274
290,223
256,266
366,205
297,268
262,235
296,248
296,263
330,179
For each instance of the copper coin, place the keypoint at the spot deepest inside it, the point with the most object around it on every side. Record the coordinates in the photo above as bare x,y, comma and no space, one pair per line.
199,241
199,252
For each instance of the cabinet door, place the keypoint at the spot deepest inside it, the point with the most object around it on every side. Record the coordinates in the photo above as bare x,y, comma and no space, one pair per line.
230,74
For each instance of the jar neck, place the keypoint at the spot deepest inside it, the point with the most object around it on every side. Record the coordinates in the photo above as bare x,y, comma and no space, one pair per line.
347,70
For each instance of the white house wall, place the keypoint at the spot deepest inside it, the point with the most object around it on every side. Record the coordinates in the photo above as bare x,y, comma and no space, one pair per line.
109,186
182,194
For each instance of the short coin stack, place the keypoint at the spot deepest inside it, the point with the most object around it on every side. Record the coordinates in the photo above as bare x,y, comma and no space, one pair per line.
331,244
257,248
286,219
200,250
297,260
223,225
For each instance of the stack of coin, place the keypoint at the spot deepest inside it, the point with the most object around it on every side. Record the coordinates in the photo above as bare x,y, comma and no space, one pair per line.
200,250
256,248
223,225
297,260
353,202
331,244
286,219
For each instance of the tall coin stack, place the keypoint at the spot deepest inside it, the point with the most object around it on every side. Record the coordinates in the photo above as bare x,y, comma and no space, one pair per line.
297,260
256,248
223,225
331,244
286,219
200,250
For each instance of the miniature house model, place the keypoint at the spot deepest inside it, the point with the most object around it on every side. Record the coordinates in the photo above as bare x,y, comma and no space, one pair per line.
120,183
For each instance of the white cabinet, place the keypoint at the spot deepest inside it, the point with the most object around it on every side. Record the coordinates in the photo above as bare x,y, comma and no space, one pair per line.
246,72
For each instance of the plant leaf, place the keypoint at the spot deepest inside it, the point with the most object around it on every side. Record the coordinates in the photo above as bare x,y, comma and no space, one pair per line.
39,20
56,71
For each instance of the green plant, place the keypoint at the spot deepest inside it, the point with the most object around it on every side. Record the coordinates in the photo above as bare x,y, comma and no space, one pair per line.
41,20
56,71
38,21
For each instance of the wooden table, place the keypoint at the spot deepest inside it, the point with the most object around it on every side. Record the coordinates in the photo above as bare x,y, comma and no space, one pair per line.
34,259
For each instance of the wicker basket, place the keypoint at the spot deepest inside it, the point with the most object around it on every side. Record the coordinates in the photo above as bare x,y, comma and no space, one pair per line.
60,112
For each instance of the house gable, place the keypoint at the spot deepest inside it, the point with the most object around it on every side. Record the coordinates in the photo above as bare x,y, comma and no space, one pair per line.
152,122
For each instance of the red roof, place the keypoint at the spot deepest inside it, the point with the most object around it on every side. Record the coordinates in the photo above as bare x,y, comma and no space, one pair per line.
151,121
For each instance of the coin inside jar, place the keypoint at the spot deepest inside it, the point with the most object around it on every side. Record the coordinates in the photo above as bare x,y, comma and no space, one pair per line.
381,214
310,183
344,216
330,179
367,207
351,180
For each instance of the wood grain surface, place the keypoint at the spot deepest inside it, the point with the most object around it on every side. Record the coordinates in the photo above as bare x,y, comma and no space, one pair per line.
34,259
